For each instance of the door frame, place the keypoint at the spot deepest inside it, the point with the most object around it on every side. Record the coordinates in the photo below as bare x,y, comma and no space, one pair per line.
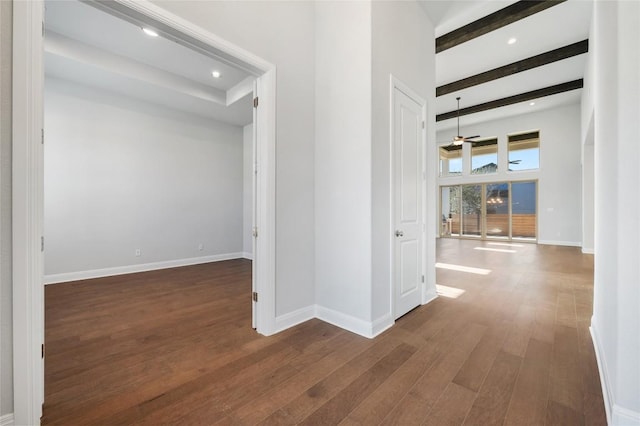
395,83
28,184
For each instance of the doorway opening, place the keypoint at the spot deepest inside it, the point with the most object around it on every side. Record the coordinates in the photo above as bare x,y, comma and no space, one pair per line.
28,182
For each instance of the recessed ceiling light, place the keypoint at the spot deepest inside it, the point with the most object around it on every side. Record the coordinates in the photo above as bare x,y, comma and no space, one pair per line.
150,32
532,103
216,74
512,40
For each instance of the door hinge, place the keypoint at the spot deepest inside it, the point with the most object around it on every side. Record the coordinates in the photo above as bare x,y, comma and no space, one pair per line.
423,278
255,102
255,232
42,136
254,296
42,28
42,350
41,243
423,124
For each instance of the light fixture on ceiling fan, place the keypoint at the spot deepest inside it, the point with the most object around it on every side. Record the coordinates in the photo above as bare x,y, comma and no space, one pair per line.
459,140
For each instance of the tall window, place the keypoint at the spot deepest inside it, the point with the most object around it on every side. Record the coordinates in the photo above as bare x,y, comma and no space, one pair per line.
484,156
524,151
451,160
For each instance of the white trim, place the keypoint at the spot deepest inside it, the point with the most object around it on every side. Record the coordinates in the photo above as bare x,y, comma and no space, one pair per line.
27,213
602,370
381,324
7,420
559,243
588,250
247,255
28,199
347,322
429,297
132,269
624,416
616,415
294,318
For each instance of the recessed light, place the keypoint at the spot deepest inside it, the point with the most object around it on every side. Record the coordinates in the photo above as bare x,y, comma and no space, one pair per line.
532,103
512,40
216,74
150,32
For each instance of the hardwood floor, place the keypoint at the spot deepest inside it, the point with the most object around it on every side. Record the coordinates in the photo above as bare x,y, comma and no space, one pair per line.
175,347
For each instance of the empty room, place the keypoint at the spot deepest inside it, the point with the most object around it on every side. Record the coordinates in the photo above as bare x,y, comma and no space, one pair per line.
319,212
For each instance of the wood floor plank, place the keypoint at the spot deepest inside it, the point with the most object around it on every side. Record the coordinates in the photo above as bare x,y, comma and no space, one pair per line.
490,407
377,405
528,404
452,407
175,346
415,406
343,403
478,364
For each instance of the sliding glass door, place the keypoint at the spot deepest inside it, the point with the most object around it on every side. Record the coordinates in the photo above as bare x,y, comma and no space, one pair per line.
502,210
471,210
496,217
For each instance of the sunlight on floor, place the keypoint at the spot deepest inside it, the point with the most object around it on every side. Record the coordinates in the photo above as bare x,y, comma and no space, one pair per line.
461,268
506,244
450,292
495,249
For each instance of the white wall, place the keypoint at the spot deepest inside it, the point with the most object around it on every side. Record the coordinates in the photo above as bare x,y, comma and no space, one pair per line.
247,191
616,317
6,318
283,34
402,45
121,175
343,161
559,177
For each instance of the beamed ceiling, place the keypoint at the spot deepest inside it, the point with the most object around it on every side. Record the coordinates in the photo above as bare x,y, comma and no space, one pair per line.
496,79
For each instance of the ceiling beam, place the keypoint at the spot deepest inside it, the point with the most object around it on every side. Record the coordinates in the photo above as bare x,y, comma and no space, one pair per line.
516,67
510,100
499,19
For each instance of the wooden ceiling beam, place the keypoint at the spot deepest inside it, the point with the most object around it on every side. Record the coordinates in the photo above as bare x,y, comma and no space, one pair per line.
510,100
516,67
499,19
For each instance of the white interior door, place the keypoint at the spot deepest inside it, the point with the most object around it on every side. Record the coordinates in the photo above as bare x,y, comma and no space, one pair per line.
407,202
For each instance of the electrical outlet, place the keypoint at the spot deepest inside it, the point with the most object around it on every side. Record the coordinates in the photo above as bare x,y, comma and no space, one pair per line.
200,246
138,252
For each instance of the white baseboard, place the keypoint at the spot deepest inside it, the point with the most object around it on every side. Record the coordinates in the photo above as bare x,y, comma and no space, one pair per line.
586,250
381,324
602,370
294,318
430,296
616,415
6,420
130,269
348,322
559,243
247,255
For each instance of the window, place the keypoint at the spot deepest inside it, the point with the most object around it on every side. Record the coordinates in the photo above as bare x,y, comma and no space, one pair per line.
484,157
524,151
451,160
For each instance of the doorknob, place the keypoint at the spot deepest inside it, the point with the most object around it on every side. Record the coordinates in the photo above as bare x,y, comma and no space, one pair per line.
399,233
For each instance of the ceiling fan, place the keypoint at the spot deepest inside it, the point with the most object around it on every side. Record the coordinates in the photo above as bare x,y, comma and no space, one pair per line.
459,140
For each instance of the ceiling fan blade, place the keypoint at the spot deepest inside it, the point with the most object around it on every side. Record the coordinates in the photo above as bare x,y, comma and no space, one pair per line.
472,137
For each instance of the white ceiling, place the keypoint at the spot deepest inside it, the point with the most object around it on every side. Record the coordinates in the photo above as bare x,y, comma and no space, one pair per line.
91,47
555,27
